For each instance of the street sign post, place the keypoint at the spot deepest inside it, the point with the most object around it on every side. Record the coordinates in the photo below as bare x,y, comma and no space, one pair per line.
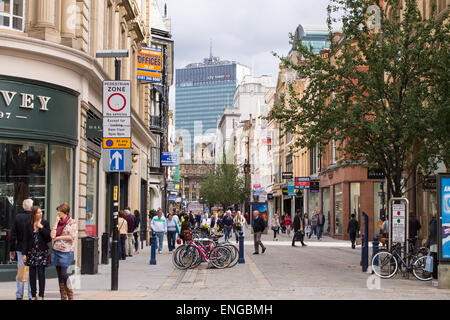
399,222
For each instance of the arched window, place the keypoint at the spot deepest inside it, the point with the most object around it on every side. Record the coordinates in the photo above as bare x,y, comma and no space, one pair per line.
12,14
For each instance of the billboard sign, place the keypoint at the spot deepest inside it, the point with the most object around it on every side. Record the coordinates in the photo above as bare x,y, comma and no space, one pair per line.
150,65
444,214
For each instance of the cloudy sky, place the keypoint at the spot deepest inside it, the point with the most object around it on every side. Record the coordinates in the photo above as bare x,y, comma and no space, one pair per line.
246,31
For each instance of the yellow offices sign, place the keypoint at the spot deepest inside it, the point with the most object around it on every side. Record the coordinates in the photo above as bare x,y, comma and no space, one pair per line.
150,65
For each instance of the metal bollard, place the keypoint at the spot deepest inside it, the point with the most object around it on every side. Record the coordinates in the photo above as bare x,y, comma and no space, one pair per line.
153,250
375,246
241,247
365,244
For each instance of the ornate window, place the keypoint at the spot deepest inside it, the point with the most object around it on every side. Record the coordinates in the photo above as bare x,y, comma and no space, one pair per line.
12,14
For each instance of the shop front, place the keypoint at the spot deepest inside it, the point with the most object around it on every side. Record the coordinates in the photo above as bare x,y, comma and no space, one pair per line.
38,136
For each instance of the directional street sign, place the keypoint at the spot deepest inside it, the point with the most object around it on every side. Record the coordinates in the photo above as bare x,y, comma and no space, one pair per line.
117,160
398,223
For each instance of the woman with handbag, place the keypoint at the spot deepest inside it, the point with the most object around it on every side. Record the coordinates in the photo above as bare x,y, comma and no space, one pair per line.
63,234
172,231
137,221
123,230
299,233
307,225
36,239
432,245
275,226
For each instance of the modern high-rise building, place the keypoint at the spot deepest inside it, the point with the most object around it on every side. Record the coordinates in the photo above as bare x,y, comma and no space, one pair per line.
203,91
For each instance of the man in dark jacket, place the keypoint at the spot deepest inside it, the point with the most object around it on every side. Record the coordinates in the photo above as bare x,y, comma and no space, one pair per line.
299,232
258,229
17,242
192,219
432,245
352,229
227,223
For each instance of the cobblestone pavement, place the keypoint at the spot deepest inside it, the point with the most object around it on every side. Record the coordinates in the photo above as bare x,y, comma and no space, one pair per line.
325,269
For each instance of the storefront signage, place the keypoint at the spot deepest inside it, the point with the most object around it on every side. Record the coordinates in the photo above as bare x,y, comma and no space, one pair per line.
169,159
39,110
270,196
150,65
291,188
258,191
287,175
302,182
376,174
314,186
94,128
444,213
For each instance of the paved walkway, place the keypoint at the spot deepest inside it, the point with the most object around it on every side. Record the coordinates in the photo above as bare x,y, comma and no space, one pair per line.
325,269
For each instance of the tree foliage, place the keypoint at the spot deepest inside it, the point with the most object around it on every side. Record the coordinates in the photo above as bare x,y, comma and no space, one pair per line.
383,95
224,186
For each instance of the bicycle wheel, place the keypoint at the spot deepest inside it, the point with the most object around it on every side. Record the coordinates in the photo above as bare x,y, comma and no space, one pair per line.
176,257
418,269
188,257
220,257
384,264
234,253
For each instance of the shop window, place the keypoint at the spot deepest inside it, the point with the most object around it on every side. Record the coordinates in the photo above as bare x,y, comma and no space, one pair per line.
338,208
91,197
61,181
355,200
326,208
12,14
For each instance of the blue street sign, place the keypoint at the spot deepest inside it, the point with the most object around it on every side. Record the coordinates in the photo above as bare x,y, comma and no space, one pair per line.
117,160
169,159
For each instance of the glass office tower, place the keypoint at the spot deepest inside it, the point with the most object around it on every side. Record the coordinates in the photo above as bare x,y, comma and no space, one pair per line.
203,91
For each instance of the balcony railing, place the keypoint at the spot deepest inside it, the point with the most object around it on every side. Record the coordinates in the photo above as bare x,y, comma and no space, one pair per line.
155,122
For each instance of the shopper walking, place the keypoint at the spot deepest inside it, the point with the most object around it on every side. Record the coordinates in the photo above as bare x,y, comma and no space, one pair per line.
36,239
432,245
288,224
123,230
131,223
63,234
314,224
159,226
198,219
258,229
307,225
227,222
275,223
299,232
17,243
352,229
185,226
320,224
239,223
137,220
172,232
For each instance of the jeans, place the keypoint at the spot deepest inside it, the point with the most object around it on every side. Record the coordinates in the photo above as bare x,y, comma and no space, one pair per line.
122,248
257,241
136,242
40,272
319,231
275,232
227,230
237,233
313,230
20,285
171,239
129,244
160,237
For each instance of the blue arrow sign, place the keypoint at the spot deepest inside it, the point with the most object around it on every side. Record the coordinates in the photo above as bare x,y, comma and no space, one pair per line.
116,160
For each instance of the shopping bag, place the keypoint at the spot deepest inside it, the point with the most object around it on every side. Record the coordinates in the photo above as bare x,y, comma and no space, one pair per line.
429,264
22,273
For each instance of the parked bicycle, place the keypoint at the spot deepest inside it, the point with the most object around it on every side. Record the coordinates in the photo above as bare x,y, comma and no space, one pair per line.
202,249
386,264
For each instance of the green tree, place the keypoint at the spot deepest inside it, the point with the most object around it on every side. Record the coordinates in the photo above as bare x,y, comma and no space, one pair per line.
384,98
224,186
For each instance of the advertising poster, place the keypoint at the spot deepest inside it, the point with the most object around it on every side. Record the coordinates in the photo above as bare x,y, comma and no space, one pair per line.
445,215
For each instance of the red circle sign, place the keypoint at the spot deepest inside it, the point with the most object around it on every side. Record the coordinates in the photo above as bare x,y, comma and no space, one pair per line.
124,102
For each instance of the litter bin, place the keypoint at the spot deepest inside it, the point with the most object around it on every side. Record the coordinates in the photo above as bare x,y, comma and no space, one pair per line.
89,255
105,248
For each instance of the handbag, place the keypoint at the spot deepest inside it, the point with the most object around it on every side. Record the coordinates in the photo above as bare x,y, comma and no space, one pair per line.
22,273
429,263
178,240
308,229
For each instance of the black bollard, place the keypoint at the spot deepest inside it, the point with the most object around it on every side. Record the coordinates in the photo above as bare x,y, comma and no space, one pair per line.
365,244
153,250
241,247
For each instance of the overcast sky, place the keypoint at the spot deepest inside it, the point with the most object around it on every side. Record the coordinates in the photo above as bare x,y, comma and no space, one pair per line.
246,31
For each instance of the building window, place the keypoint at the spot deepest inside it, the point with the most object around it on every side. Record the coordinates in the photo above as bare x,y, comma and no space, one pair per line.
326,208
91,197
314,160
338,208
194,196
377,204
333,160
156,157
355,200
289,163
12,14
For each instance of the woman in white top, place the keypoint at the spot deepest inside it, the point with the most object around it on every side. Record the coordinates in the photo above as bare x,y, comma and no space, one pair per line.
206,222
